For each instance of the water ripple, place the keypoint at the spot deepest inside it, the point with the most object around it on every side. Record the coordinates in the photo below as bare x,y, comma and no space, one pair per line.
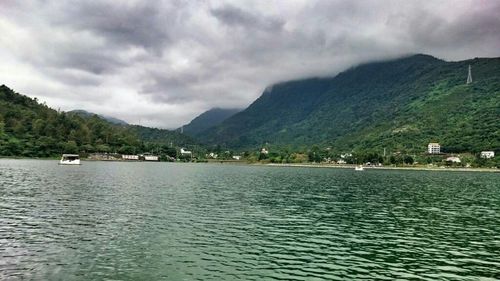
161,221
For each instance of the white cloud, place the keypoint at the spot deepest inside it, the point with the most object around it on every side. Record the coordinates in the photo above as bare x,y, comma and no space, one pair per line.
161,63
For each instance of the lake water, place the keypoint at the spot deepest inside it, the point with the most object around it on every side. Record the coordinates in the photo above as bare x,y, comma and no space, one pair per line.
169,221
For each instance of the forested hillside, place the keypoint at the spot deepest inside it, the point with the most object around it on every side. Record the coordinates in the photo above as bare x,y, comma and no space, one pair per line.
31,129
207,120
401,104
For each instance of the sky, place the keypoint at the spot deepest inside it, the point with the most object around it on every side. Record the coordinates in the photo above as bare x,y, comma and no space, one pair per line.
162,63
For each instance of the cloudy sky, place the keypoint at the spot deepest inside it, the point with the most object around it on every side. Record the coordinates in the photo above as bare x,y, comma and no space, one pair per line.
161,63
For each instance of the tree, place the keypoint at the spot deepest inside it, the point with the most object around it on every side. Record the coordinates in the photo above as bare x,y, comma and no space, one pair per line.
88,148
126,149
407,159
70,147
103,148
12,147
314,154
38,127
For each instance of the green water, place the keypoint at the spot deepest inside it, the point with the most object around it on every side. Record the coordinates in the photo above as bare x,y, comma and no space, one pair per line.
163,221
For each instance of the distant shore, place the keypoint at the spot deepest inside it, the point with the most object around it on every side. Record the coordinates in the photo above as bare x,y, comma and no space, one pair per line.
410,168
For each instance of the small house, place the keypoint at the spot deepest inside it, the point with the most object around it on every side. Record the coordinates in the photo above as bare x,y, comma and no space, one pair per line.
212,155
130,157
453,159
185,152
487,154
345,155
151,158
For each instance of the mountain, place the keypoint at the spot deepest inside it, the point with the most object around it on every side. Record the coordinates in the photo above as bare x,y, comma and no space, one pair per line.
31,129
162,136
400,104
159,136
110,119
208,119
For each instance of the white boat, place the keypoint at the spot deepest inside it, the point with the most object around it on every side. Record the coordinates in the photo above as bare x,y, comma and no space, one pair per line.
70,159
359,168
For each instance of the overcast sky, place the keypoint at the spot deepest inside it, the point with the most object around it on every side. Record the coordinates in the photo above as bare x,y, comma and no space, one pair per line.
161,63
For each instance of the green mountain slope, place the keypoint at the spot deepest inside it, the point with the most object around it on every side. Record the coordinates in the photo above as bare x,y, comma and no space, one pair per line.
401,104
31,129
162,136
208,119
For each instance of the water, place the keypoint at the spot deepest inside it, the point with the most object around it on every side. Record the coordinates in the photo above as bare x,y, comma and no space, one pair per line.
163,221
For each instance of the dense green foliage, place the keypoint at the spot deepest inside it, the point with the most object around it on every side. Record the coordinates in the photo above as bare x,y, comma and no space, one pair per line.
31,129
207,120
315,154
400,105
162,136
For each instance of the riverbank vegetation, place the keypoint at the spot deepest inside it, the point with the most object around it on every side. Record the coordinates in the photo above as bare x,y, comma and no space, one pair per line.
328,155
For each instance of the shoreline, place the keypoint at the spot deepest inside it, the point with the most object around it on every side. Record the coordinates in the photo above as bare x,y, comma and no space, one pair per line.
416,168
291,165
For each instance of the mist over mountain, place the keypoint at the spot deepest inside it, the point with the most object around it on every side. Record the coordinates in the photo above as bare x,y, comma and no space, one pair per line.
110,119
400,104
164,62
208,119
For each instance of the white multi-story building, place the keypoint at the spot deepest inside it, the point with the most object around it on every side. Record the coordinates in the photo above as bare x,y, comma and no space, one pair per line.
487,154
433,148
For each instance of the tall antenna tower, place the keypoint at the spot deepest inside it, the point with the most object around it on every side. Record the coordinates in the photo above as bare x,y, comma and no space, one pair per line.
182,128
469,77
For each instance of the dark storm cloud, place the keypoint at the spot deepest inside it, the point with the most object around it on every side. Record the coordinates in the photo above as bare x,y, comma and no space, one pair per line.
140,23
97,62
234,16
163,62
469,27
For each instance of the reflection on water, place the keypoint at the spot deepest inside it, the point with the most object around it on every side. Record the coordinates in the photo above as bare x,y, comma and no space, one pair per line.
162,221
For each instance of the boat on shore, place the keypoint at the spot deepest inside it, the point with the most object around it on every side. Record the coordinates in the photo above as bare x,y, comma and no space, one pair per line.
70,159
359,168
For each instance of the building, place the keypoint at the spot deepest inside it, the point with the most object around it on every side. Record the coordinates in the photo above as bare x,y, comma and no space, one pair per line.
433,148
151,158
487,154
104,156
185,152
212,155
453,159
264,151
130,157
236,157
